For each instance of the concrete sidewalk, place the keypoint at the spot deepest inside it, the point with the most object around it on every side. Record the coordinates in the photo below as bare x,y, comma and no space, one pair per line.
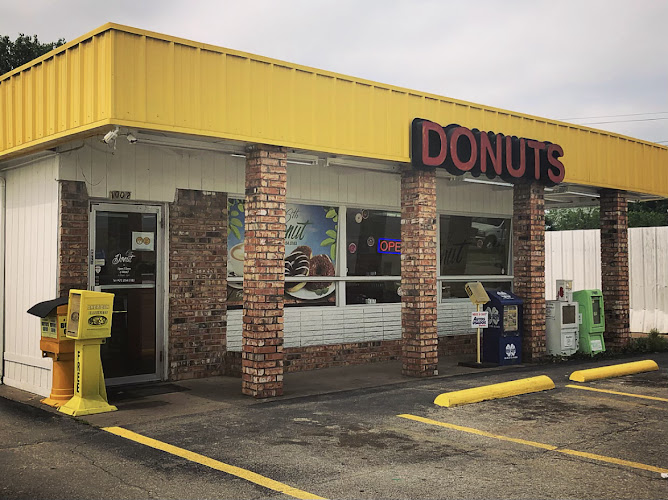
159,400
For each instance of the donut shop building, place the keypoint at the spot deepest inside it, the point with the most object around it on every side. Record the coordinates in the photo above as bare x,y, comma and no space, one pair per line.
255,217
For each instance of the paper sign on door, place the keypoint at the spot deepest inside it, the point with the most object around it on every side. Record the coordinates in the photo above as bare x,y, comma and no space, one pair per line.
143,241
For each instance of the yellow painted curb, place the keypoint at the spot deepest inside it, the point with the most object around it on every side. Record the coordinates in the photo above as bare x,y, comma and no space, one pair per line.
614,371
495,391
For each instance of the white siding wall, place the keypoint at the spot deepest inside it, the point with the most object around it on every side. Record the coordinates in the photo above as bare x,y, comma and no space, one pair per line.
457,196
150,173
31,267
576,255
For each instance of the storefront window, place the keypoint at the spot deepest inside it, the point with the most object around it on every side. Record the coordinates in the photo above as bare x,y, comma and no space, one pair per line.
311,234
455,289
474,245
373,249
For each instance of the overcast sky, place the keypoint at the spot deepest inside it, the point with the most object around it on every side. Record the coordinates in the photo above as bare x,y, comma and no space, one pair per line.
557,59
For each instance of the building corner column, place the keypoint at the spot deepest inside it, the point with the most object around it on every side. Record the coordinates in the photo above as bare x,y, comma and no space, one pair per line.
73,223
529,265
615,267
418,272
264,271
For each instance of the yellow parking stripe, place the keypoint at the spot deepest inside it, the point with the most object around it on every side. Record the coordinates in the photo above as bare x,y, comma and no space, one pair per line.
549,447
478,432
214,464
616,392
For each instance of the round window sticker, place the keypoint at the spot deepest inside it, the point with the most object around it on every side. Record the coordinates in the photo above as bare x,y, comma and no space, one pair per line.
400,292
358,217
352,248
370,241
365,214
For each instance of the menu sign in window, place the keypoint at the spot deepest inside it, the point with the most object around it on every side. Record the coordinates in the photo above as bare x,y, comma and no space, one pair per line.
311,235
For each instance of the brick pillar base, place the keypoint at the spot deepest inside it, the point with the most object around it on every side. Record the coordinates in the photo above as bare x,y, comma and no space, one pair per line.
197,284
72,237
615,267
264,272
418,273
529,265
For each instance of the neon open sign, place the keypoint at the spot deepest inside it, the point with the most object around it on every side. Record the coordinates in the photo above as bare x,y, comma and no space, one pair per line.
388,245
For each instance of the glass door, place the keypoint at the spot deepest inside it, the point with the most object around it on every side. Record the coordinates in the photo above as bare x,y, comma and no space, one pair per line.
126,260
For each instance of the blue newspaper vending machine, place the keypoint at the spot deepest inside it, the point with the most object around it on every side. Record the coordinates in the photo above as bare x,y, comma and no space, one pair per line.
502,340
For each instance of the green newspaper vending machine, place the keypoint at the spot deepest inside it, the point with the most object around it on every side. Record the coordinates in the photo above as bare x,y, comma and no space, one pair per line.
593,320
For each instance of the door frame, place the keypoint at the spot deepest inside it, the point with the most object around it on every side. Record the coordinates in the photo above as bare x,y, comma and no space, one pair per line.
160,287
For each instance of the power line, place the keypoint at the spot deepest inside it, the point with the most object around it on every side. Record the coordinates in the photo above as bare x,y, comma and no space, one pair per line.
625,121
613,116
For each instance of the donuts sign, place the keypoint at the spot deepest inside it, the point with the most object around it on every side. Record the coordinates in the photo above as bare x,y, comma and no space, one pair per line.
460,150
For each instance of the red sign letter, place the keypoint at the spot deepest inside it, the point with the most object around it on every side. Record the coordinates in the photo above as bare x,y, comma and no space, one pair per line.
536,146
555,151
456,134
433,161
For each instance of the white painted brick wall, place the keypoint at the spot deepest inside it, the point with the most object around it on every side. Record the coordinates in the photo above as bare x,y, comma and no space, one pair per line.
306,326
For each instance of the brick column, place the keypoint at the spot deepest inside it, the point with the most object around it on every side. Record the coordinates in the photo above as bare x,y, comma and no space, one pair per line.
264,271
418,272
529,265
72,237
615,267
197,284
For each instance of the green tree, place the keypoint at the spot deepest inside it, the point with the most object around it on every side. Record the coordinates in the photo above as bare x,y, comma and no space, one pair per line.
648,213
566,219
641,214
22,50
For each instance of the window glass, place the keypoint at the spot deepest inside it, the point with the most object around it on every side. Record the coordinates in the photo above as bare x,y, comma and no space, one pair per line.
455,289
373,242
311,234
474,245
372,292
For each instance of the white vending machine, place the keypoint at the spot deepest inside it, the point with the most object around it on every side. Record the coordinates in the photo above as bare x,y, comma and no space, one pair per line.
562,321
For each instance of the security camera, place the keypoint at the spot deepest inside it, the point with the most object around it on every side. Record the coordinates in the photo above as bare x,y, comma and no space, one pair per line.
131,139
110,136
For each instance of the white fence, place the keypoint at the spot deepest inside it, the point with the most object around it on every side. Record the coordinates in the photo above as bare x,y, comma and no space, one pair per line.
576,255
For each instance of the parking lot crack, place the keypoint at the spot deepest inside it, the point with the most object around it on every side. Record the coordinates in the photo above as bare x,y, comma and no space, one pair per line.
121,479
630,427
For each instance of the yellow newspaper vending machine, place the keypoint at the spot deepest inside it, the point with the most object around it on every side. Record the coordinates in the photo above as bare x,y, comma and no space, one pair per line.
88,323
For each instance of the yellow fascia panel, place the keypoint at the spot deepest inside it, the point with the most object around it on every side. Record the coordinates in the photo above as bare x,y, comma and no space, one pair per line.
176,85
65,91
142,79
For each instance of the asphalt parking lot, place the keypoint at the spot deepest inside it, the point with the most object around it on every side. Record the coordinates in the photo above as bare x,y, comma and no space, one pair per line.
383,442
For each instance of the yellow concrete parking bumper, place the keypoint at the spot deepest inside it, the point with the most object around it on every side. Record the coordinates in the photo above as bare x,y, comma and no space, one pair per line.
495,391
614,371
